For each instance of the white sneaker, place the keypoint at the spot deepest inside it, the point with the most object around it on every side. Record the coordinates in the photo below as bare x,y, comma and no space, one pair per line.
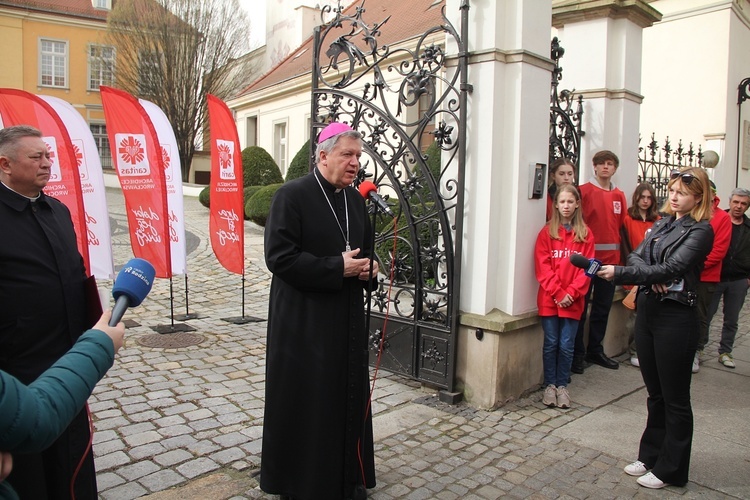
696,362
650,481
637,468
550,396
726,360
563,398
634,361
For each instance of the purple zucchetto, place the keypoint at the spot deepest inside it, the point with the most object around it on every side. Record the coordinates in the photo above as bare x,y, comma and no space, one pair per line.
333,129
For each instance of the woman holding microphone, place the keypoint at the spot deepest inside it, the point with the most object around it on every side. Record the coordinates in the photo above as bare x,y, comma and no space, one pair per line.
667,266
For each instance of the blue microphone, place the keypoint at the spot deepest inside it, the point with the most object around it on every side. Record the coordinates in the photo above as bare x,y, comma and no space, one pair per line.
589,266
131,286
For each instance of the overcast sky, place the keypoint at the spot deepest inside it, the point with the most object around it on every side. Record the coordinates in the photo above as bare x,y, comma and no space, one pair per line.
257,11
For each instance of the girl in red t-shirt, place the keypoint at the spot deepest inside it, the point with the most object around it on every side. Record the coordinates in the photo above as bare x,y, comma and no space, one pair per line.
562,288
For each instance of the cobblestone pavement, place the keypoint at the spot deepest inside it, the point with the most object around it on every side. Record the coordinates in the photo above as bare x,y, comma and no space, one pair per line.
186,422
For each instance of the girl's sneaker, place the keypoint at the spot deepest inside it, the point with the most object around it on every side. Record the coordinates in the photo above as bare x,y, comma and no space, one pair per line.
637,468
550,396
563,399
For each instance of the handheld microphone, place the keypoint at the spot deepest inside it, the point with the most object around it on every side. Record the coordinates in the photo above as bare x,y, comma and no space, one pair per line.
131,286
589,266
369,190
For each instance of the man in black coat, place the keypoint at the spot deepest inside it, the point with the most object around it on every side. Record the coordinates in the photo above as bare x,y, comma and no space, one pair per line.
317,430
43,306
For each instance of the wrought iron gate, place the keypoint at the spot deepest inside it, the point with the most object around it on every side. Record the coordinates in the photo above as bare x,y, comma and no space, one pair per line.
565,122
402,98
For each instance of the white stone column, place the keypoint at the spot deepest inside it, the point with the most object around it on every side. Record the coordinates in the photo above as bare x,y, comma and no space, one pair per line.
507,129
499,344
603,51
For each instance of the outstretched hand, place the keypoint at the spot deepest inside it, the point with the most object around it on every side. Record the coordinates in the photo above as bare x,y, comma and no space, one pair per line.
116,333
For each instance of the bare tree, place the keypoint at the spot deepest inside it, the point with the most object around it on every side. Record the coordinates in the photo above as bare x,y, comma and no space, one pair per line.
174,52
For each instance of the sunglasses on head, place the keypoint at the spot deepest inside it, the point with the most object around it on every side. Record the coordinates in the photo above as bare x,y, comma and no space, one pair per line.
685,177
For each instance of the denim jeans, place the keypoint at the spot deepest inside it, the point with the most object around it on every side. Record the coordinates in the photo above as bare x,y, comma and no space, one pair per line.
733,293
557,354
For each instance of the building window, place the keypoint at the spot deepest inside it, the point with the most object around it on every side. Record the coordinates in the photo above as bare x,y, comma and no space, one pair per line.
279,145
53,59
102,4
101,66
99,131
251,131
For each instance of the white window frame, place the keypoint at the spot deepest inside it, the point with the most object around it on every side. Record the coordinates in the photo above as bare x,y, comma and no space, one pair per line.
281,144
55,56
102,143
103,65
102,4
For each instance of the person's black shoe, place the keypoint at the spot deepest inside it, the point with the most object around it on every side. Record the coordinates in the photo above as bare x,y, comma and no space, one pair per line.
598,358
578,365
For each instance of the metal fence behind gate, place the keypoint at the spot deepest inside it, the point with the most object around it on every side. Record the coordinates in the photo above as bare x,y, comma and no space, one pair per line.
655,163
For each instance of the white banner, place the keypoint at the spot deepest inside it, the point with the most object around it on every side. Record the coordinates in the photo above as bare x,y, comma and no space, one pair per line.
173,176
92,187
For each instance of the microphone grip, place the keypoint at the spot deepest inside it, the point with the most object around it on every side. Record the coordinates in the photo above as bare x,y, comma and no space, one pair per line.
121,305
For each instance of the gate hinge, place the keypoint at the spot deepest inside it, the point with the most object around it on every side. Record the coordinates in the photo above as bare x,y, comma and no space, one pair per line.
467,87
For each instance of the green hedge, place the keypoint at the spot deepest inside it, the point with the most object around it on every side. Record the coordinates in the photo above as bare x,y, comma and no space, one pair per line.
204,195
259,205
259,168
300,165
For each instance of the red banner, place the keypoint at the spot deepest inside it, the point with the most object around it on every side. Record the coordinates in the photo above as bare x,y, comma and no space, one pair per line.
227,213
136,155
18,107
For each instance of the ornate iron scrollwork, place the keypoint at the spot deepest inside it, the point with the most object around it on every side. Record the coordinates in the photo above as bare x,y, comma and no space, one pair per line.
565,115
402,98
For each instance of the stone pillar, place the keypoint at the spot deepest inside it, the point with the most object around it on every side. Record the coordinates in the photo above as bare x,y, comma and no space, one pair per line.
603,44
499,345
500,339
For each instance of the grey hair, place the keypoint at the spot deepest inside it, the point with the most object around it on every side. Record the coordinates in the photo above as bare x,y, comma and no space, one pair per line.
740,192
330,143
9,137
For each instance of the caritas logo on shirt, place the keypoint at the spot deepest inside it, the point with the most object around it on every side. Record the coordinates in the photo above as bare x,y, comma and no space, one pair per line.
617,206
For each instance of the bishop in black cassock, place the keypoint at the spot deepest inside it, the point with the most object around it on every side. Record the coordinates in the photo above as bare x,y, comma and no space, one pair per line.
317,432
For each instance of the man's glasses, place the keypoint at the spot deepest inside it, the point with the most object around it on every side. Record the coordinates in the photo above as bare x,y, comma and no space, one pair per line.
686,177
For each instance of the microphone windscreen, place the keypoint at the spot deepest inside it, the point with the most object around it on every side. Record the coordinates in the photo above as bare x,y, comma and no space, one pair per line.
579,260
366,187
134,281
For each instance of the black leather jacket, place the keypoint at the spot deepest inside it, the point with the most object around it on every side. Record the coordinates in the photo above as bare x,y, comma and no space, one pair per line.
677,254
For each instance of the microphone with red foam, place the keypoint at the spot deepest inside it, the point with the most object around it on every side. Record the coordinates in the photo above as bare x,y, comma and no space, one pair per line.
369,191
133,283
589,266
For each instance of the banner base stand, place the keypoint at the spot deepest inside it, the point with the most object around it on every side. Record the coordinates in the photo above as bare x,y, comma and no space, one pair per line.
179,327
188,316
131,323
241,320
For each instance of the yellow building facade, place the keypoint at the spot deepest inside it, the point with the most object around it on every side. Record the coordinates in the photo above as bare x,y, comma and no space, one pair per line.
59,48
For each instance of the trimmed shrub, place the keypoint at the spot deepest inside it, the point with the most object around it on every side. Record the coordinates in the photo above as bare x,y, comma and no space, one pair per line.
247,193
259,168
259,205
300,165
204,195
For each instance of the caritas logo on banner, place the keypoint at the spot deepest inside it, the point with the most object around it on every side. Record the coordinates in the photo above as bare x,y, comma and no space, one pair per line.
54,171
132,159
226,158
166,158
83,169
